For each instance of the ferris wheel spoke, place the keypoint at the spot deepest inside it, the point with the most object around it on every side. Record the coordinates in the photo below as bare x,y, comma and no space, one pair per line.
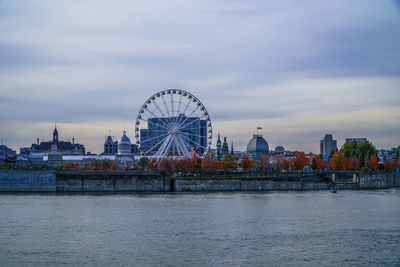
179,106
160,120
165,105
158,108
180,124
187,105
187,138
196,128
184,147
201,136
155,145
172,104
145,141
158,125
167,147
183,126
162,147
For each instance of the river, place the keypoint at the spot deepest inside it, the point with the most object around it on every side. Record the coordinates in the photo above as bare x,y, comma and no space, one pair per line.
360,228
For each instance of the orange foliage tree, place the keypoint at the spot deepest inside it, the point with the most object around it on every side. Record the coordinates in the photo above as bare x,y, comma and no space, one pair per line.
337,161
216,165
246,163
299,161
285,164
263,162
354,163
388,164
206,163
164,164
373,162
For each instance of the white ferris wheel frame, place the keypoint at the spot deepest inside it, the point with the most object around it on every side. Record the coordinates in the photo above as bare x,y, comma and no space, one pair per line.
173,139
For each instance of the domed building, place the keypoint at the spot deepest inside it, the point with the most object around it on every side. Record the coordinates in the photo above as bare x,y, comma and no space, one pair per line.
257,147
124,145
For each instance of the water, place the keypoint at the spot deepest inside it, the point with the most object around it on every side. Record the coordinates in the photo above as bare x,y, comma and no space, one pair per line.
223,229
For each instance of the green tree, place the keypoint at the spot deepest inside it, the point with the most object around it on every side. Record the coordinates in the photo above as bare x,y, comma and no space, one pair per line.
314,164
362,151
331,154
397,155
144,162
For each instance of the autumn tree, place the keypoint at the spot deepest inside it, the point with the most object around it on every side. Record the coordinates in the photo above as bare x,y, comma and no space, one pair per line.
216,165
206,163
373,162
263,162
246,163
322,165
362,150
229,162
388,164
354,163
346,164
188,164
337,161
285,164
299,161
153,163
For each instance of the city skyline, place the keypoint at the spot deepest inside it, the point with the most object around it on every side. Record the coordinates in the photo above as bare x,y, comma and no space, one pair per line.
89,67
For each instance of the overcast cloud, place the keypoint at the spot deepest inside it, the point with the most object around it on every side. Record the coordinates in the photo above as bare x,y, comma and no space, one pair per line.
299,70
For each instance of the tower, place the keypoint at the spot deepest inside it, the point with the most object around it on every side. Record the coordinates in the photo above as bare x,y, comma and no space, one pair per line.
225,148
55,134
219,146
232,148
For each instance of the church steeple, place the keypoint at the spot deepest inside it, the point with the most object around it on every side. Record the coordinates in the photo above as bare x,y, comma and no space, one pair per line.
219,145
55,134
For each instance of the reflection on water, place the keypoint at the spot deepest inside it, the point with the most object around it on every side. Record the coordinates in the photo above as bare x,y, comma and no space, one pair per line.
230,229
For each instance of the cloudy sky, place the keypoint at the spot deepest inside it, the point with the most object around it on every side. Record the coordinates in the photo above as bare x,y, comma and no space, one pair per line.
299,69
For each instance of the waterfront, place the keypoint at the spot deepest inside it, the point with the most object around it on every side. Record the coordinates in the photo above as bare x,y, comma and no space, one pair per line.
214,229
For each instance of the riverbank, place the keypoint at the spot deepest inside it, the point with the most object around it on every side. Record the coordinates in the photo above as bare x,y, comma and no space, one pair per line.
149,181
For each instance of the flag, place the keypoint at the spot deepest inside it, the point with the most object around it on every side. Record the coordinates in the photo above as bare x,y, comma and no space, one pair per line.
259,128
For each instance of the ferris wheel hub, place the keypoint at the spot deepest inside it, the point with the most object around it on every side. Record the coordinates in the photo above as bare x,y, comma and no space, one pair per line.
174,129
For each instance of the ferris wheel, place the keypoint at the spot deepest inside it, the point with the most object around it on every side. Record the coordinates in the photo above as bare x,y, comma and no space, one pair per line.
173,123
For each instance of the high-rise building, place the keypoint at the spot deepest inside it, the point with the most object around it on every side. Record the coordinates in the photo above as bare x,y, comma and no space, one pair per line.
327,144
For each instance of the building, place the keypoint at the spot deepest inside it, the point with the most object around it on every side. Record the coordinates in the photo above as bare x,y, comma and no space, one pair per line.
257,147
6,152
124,145
219,145
110,146
327,144
279,150
357,140
195,133
65,147
225,148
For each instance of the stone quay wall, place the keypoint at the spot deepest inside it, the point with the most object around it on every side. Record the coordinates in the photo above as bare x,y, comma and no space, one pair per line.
27,181
147,181
112,181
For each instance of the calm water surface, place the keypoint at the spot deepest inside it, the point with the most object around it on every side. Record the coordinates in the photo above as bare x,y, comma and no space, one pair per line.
236,229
